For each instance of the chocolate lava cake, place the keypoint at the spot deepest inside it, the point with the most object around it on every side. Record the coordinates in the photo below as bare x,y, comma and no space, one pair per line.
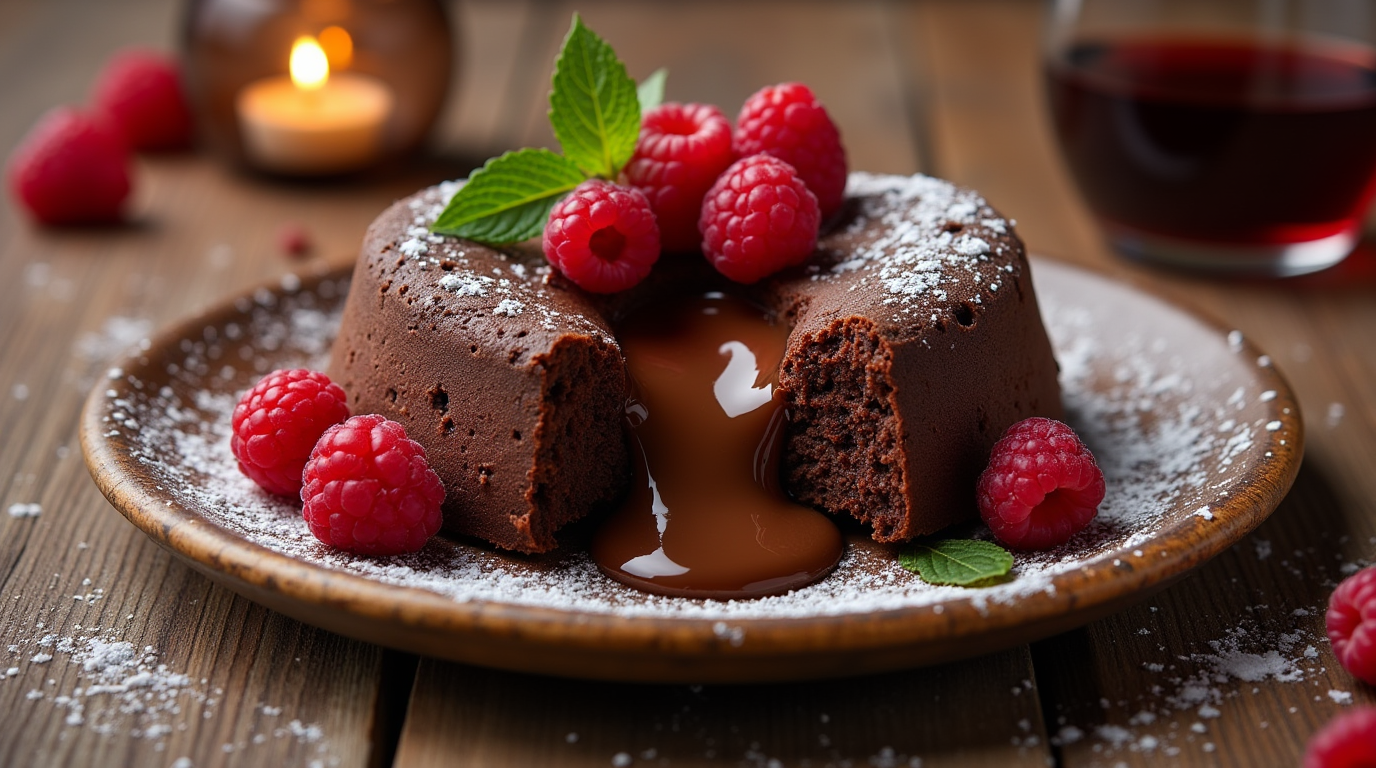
916,341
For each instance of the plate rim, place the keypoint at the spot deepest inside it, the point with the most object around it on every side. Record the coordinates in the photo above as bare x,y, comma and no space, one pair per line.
677,649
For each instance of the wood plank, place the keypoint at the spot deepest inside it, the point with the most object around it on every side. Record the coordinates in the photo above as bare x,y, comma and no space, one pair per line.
471,716
463,715
259,689
1131,687
239,658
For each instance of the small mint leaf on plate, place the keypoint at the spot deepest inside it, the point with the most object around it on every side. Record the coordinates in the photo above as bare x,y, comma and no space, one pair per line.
593,106
650,92
509,198
957,562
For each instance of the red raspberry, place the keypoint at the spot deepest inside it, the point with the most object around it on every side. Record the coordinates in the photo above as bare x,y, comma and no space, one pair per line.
1352,624
141,92
1349,741
788,122
71,169
602,236
276,423
757,219
683,148
1041,487
370,490
294,240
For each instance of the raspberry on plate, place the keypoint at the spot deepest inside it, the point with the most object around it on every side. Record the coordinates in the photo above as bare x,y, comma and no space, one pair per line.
1041,487
788,122
140,91
758,218
72,168
369,489
1351,621
277,422
603,236
682,149
1349,741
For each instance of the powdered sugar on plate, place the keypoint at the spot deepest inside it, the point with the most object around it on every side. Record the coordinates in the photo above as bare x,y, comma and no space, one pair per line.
1172,429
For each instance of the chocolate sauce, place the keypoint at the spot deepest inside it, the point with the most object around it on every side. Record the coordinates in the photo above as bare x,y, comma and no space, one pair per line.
706,516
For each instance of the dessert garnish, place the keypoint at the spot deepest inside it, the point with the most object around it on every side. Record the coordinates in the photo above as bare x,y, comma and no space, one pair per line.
679,156
1349,741
1041,487
602,236
758,218
140,92
71,168
788,122
594,109
706,515
1351,621
278,421
682,150
958,562
369,489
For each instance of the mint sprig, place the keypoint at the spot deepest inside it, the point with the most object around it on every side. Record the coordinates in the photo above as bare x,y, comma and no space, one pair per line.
958,562
594,108
509,199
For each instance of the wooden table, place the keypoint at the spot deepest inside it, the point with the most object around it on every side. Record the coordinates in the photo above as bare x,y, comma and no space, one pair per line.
948,88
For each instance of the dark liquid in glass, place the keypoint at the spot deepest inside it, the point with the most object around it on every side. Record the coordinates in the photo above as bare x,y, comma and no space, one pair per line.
1219,140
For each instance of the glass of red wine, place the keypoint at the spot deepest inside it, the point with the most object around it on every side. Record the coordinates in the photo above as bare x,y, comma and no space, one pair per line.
1234,136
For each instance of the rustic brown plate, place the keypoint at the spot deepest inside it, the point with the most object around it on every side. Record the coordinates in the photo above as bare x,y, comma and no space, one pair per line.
1199,436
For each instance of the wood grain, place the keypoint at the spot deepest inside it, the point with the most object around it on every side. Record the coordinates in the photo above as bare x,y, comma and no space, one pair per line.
991,131
947,86
261,689
474,717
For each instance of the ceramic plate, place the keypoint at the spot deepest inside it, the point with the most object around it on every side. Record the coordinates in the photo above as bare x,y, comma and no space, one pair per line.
1198,435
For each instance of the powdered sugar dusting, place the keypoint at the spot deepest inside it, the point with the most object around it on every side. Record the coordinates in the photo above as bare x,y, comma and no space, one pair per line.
930,241
1156,423
506,290
114,687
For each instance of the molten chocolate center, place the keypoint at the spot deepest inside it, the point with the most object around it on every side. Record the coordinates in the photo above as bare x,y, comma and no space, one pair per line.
706,516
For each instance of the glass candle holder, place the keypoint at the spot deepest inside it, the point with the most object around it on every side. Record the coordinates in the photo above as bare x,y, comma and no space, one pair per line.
316,87
1221,135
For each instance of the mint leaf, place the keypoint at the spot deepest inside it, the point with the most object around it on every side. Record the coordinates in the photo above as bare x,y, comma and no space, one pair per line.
650,92
509,198
959,562
593,106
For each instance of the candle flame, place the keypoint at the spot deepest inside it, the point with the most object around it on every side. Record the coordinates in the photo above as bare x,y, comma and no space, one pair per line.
309,66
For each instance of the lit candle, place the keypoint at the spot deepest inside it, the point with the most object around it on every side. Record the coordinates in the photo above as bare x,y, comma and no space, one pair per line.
313,122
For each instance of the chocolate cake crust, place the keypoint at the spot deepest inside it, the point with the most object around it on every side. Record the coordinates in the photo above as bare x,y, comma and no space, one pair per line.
916,341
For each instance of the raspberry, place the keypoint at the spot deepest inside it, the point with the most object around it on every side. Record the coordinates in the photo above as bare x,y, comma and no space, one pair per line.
1349,741
294,241
368,489
276,423
1351,623
141,93
788,122
1041,487
602,236
683,148
757,219
72,168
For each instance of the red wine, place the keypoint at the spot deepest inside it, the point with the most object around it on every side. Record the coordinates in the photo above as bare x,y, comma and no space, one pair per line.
1219,140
